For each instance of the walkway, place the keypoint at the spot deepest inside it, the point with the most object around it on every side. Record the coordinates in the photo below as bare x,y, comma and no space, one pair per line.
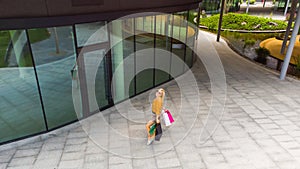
260,128
268,11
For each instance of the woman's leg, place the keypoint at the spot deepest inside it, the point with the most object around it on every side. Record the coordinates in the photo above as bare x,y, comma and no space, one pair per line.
148,125
150,137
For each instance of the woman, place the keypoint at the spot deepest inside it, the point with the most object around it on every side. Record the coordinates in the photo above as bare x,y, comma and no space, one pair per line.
157,106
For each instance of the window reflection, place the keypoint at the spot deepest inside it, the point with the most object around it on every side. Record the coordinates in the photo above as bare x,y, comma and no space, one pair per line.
162,49
123,59
55,58
14,51
178,43
191,33
144,42
91,33
21,112
95,79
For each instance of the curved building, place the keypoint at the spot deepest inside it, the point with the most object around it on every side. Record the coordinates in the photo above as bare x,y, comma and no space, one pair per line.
60,55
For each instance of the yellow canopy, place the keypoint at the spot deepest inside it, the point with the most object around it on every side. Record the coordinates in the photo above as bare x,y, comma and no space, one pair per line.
274,46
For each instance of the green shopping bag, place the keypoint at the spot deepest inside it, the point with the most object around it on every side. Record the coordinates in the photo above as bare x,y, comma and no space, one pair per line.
152,129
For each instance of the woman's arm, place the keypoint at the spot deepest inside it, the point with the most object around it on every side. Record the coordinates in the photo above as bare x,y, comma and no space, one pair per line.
157,118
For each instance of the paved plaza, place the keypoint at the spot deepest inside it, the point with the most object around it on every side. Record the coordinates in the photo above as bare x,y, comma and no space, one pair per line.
259,129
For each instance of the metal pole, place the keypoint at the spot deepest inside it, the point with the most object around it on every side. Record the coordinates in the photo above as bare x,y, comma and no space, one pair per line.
248,5
287,32
198,19
291,46
286,7
220,20
167,23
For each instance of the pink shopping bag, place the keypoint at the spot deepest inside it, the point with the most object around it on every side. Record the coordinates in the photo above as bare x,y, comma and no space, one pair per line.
170,116
166,119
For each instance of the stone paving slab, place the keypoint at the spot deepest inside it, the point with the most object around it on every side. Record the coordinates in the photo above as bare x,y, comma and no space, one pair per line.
259,129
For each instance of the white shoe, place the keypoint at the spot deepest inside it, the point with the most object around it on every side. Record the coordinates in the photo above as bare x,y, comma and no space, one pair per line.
150,142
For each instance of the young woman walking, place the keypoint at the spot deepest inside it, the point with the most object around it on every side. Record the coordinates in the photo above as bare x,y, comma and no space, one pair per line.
157,106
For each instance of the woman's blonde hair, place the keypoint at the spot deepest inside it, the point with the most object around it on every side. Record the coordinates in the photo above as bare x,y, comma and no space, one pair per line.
162,93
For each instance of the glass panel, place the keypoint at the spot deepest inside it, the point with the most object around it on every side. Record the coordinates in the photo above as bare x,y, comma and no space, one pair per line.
176,27
179,26
190,41
139,24
183,27
96,78
189,57
144,59
162,65
177,63
145,24
178,43
149,23
163,22
21,112
183,32
170,19
128,53
55,58
87,32
120,51
162,58
158,29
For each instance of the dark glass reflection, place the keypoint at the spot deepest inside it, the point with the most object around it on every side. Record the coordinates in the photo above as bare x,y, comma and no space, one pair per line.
21,112
55,58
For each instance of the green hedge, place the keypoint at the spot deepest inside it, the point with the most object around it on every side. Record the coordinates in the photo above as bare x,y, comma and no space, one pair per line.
251,1
243,22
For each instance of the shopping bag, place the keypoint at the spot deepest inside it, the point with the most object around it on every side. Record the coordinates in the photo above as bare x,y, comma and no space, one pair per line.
158,132
170,116
152,129
166,119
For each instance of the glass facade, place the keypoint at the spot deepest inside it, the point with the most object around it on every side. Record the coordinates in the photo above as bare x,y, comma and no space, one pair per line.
129,57
54,58
91,33
21,111
178,43
144,55
163,42
46,72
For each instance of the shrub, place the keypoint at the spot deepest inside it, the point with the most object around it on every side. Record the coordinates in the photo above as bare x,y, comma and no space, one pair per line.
262,54
249,42
251,1
237,21
297,61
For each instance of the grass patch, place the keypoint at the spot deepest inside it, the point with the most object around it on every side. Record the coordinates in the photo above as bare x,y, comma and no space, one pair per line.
243,22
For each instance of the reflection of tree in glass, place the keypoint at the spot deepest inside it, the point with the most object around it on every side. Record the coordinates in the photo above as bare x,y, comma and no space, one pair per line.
7,51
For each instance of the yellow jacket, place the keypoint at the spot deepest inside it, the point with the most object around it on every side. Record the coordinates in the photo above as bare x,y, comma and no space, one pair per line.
157,105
